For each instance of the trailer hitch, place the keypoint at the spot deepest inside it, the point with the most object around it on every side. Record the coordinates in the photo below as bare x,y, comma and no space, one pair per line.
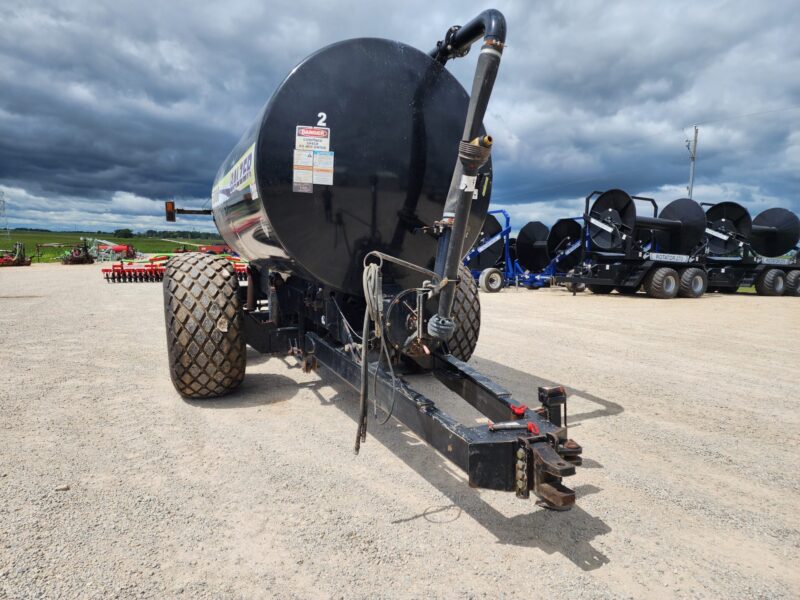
543,460
540,469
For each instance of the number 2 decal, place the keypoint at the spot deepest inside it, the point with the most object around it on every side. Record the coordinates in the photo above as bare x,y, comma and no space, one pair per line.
322,118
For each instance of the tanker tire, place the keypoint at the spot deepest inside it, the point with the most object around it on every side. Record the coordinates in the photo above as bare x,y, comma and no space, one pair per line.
693,284
662,283
491,280
771,282
205,328
467,315
600,289
793,283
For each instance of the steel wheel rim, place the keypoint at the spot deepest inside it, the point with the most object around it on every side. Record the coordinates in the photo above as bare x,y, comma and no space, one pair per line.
697,284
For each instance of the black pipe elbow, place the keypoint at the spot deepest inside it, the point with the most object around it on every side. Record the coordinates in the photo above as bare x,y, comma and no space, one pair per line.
490,24
494,24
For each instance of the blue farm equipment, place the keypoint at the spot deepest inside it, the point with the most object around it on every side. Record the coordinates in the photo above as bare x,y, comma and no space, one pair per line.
531,260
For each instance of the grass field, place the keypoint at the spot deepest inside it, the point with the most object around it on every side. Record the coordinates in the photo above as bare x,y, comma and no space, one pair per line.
142,244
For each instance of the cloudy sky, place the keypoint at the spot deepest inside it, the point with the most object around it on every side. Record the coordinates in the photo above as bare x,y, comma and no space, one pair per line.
107,109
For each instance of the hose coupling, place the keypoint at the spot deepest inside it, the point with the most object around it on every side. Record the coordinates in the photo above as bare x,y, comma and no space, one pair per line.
441,328
474,155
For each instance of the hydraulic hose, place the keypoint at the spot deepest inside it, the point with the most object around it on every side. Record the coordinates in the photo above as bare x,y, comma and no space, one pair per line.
373,284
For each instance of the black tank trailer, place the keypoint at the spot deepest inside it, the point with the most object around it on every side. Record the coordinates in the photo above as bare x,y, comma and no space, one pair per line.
761,252
625,250
354,196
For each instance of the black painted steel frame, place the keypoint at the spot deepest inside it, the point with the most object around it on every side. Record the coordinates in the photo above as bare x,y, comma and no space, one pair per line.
491,459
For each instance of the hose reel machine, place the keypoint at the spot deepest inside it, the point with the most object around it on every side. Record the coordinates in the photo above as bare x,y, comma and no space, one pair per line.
614,223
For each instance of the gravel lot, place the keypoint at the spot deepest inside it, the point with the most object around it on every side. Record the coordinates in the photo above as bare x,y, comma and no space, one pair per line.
688,411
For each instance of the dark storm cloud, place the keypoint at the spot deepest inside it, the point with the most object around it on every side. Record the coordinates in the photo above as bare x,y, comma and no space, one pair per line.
106,110
608,91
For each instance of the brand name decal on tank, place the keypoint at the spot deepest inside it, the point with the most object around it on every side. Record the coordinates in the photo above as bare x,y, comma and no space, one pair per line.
240,177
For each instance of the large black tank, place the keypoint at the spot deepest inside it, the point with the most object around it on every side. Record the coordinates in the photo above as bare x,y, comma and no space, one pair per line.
353,152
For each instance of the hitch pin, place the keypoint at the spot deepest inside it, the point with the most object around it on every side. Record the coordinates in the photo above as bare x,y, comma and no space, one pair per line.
507,425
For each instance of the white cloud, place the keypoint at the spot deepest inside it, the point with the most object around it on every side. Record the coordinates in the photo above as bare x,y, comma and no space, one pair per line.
123,209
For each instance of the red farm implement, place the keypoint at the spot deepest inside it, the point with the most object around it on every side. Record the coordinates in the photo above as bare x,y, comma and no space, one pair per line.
15,257
153,270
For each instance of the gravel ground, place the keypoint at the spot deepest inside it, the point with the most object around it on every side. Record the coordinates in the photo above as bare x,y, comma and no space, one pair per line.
687,410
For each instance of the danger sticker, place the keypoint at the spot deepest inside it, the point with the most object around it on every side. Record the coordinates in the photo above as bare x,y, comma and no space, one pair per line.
312,138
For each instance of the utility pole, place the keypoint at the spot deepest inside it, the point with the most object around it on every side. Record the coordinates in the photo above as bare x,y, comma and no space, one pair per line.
3,214
692,147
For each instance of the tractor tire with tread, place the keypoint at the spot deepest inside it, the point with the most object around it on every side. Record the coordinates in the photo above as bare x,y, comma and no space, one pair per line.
792,283
467,315
205,327
662,282
693,283
771,282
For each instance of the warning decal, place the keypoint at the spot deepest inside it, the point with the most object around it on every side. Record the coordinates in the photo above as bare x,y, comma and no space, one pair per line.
313,159
312,138
323,168
303,171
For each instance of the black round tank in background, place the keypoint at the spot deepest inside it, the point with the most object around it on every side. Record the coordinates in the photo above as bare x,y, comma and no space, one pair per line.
775,232
395,118
731,220
617,210
532,246
562,235
690,231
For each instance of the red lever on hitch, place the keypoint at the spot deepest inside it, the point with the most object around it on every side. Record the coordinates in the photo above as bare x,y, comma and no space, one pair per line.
517,412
